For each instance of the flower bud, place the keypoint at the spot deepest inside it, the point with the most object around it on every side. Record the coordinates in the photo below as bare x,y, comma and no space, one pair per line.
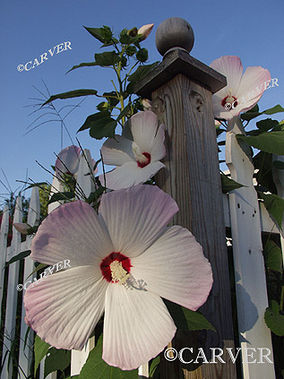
132,32
145,30
142,55
147,104
22,227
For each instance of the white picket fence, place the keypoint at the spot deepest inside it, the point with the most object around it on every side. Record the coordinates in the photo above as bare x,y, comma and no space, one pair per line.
243,214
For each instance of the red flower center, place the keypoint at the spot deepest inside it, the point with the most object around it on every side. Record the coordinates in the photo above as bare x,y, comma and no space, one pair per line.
145,162
229,102
106,263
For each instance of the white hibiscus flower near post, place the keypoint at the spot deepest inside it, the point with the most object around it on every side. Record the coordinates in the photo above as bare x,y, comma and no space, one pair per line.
123,260
68,160
137,160
242,92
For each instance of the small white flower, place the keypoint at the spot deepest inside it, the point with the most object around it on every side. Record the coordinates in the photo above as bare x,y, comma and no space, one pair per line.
137,160
242,92
68,160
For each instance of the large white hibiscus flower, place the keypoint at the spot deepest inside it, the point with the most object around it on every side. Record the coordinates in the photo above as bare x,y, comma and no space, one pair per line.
137,160
242,92
123,260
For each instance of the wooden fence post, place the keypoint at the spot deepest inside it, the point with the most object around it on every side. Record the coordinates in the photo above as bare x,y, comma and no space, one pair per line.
181,90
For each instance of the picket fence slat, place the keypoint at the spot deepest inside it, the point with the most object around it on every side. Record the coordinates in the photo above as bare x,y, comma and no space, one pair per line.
26,352
251,290
3,246
11,306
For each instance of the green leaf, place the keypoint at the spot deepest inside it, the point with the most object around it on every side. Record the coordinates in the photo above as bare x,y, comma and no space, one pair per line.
96,368
274,319
56,359
38,268
125,112
103,106
61,196
249,115
94,196
92,119
111,98
39,184
130,50
103,34
109,58
263,163
154,367
139,74
18,257
128,37
70,94
267,124
40,350
229,184
86,64
254,112
142,55
275,207
271,142
104,127
185,319
196,321
273,256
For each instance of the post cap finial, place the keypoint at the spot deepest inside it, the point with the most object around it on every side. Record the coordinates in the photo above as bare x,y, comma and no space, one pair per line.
174,33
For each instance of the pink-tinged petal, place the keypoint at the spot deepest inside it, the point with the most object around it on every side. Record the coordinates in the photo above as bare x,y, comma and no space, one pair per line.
72,231
252,86
136,216
117,151
137,327
231,67
68,160
145,30
175,268
158,150
64,308
129,175
144,126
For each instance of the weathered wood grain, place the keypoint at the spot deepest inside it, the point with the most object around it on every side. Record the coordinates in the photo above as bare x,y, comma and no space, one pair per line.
192,178
180,62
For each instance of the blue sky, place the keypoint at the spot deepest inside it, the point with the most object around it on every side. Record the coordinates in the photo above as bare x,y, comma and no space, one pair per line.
253,30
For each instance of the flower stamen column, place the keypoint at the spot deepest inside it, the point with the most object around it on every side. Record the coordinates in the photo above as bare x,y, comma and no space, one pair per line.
181,90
